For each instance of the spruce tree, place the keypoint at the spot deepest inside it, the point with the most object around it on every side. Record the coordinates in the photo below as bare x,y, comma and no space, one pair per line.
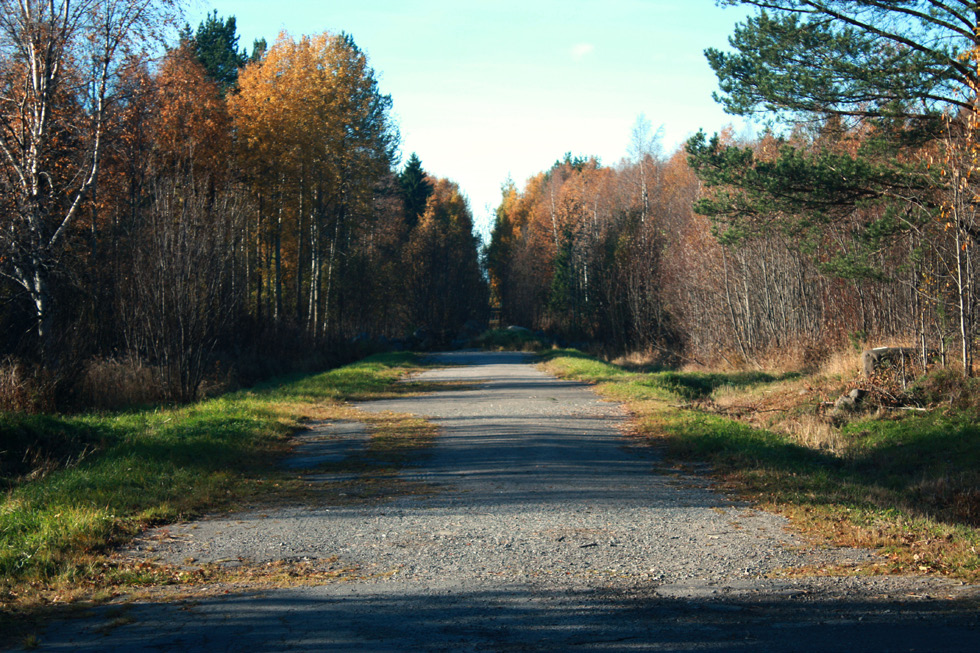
416,189
216,46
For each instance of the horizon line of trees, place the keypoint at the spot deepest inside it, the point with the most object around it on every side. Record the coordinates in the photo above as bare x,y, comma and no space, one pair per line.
211,214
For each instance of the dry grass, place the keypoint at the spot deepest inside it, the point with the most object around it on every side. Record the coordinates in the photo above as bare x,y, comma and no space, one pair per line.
778,360
799,406
637,360
842,364
109,384
902,483
25,388
120,582
814,432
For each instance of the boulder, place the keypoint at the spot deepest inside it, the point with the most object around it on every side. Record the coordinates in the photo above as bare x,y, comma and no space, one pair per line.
873,360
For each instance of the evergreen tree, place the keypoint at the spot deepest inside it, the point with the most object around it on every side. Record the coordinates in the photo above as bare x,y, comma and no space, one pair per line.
562,301
857,58
259,47
216,46
886,70
416,189
802,190
892,88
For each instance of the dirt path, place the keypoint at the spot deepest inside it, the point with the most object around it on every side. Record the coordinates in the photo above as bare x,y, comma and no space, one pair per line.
548,531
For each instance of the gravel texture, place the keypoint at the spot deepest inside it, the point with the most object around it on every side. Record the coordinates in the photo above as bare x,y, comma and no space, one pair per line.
548,530
327,442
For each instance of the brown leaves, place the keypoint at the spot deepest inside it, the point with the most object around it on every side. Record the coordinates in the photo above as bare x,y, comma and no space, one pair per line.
192,128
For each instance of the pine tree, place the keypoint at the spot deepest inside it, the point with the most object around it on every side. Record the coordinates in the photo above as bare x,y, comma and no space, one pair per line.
854,58
874,90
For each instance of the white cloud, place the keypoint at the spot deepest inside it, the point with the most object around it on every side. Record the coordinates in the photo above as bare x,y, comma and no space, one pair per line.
582,50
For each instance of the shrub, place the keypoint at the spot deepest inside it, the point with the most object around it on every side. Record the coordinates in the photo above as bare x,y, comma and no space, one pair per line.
512,340
108,384
26,388
949,387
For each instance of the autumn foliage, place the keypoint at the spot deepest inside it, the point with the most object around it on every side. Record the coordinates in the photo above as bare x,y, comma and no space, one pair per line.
681,257
213,228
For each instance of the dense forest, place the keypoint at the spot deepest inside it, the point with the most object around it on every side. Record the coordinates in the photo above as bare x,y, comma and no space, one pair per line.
852,220
186,216
205,216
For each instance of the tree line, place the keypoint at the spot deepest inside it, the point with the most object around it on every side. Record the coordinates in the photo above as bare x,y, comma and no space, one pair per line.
852,219
209,213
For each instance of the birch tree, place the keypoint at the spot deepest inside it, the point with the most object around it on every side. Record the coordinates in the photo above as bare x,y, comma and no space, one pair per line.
58,62
317,141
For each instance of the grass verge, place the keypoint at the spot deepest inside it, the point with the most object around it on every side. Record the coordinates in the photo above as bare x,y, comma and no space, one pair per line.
75,486
906,484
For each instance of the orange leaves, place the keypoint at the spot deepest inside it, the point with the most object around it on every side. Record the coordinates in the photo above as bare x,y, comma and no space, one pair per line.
192,129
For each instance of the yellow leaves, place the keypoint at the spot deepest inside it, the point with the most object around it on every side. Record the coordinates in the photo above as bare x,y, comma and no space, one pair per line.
303,99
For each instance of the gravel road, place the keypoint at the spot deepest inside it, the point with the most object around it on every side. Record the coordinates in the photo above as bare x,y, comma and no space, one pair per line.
548,530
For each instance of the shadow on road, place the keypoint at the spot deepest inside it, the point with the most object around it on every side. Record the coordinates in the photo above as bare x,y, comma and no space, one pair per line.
542,539
515,618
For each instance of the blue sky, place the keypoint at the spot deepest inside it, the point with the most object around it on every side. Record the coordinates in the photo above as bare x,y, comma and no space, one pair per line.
484,91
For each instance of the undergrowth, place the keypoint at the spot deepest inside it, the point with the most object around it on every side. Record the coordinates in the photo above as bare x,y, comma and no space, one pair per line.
906,484
76,485
511,339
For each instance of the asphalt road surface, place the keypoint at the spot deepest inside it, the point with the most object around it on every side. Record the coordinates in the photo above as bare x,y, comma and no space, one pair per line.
547,530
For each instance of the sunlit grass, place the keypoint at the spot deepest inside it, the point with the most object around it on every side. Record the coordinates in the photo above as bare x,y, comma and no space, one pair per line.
904,484
94,480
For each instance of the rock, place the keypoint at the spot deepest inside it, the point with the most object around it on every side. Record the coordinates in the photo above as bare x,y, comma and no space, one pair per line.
872,360
850,402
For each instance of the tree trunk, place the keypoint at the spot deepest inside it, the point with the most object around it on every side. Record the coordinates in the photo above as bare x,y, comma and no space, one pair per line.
963,306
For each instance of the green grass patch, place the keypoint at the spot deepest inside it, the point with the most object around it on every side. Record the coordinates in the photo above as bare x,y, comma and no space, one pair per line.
76,485
905,484
573,364
371,378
